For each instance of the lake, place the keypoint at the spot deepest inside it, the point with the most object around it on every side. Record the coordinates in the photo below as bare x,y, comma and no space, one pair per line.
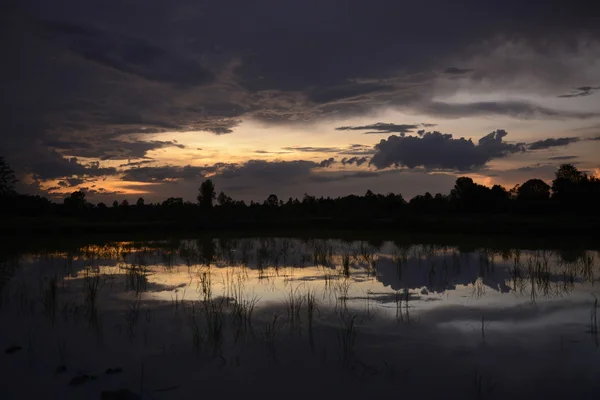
186,318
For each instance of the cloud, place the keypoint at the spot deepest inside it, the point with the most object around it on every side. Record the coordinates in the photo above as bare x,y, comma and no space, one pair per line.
313,149
381,127
457,71
514,109
268,171
344,177
580,92
51,165
358,150
223,127
136,163
74,181
355,160
551,142
326,95
434,150
93,73
129,55
99,192
114,149
327,163
166,173
270,152
563,158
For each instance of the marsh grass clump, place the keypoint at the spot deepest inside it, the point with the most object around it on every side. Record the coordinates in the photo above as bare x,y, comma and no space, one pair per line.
189,254
91,285
342,289
372,266
346,336
242,316
322,254
402,307
346,264
197,337
477,289
399,261
177,302
483,387
366,253
136,278
214,318
132,317
587,268
294,304
205,285
311,308
270,333
50,298
168,260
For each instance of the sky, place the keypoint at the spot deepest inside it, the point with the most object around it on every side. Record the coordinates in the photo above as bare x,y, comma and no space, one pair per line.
130,98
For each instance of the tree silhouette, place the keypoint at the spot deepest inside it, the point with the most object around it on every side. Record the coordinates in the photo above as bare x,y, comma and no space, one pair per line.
569,185
534,189
223,199
173,202
76,201
7,178
206,194
272,201
573,192
533,196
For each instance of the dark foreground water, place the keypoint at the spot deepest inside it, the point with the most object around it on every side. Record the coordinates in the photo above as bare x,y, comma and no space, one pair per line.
192,318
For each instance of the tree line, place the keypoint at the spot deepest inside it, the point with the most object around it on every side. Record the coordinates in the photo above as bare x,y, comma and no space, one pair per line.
571,192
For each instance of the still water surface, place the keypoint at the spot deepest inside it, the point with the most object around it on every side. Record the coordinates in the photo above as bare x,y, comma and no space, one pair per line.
175,319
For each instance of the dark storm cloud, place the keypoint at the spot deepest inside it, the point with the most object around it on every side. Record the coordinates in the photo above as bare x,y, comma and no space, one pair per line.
166,173
51,165
327,163
99,191
457,71
435,150
136,163
326,95
515,109
580,92
86,72
381,127
355,160
551,142
269,171
129,55
74,181
113,149
563,158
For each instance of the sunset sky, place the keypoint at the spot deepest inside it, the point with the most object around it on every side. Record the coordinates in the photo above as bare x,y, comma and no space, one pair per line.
126,99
